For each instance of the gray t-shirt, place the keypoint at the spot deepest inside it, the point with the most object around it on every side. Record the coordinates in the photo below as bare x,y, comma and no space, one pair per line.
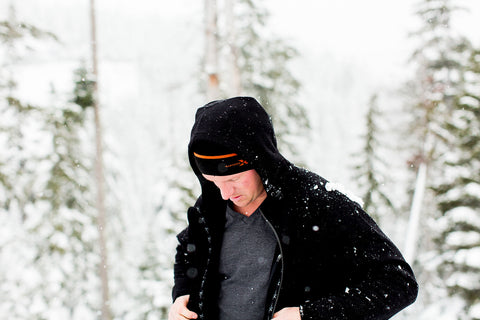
246,258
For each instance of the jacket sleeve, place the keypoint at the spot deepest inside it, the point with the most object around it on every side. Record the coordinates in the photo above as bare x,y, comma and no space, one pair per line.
382,293
180,269
378,281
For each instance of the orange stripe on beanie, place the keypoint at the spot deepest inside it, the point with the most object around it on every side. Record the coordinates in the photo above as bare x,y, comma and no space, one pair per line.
214,160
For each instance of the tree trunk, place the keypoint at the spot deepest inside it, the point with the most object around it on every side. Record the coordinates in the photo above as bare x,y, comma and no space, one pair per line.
99,176
211,49
414,220
235,85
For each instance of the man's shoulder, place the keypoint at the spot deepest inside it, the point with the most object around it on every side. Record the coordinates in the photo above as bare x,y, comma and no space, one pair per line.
305,181
305,186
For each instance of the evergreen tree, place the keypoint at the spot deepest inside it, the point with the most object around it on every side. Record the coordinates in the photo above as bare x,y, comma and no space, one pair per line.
20,172
441,60
370,172
16,116
145,242
67,256
70,196
258,63
263,63
458,238
48,237
19,192
44,179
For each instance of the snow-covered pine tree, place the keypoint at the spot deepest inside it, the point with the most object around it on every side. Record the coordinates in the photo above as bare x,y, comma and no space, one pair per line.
67,256
371,170
49,235
24,167
17,38
253,62
440,61
142,236
19,193
264,73
458,234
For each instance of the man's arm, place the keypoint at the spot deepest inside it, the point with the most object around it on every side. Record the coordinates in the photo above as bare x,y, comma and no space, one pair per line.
181,281
379,296
375,281
379,281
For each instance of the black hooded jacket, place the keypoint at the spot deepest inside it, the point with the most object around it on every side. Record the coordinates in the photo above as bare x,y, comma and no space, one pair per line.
332,259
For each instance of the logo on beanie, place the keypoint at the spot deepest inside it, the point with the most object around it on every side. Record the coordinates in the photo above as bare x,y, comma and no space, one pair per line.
239,163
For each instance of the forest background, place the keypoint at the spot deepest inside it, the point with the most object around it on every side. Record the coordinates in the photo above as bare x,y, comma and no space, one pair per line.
380,96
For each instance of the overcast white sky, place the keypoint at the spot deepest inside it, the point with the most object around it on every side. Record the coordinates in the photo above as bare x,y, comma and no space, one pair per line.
370,30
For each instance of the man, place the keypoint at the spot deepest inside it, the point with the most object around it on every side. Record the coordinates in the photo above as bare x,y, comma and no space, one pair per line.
269,240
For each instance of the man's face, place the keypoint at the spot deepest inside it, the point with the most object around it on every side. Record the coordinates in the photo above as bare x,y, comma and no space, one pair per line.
245,190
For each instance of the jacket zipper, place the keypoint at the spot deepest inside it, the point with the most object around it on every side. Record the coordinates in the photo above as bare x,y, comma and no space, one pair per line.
280,257
204,275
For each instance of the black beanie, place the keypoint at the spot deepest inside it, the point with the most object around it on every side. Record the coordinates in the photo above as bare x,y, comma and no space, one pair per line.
216,160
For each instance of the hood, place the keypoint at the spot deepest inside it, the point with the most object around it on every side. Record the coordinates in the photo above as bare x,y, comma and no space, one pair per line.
243,126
